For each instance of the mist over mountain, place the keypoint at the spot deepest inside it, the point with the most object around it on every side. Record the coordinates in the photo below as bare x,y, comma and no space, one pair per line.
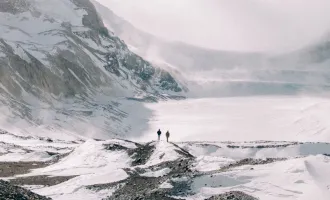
215,73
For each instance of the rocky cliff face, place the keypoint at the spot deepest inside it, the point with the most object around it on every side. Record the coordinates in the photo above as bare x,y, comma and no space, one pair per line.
55,51
67,52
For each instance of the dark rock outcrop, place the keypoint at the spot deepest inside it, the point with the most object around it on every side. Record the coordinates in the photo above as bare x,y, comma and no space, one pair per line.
234,195
11,192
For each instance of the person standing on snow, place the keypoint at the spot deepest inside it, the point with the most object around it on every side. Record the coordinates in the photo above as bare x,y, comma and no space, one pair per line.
167,135
159,133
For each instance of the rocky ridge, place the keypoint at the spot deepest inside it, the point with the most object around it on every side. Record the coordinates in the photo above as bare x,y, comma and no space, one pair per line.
57,57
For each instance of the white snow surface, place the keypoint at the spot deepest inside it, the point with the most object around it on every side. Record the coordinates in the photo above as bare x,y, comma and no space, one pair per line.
88,158
157,173
25,157
301,178
89,162
259,150
166,185
164,152
74,188
209,163
274,118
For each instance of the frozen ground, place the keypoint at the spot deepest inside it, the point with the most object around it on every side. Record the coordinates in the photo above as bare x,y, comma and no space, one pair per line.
117,169
290,118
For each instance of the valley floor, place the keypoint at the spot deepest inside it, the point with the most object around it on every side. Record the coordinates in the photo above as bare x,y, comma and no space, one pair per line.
267,148
239,119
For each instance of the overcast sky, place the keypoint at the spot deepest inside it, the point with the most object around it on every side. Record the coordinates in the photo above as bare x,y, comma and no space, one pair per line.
242,25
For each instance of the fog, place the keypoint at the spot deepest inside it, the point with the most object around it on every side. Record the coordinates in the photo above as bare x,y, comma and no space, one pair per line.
239,25
210,73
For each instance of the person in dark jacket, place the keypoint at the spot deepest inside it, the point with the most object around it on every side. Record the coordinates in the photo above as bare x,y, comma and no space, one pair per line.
167,135
159,133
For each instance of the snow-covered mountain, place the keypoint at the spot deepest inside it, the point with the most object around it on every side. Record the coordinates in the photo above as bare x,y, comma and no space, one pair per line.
216,73
70,87
61,69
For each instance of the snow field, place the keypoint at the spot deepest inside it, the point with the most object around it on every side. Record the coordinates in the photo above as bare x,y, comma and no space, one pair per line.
241,119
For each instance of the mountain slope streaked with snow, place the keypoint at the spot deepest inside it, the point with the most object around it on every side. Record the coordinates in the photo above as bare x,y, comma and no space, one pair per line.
60,67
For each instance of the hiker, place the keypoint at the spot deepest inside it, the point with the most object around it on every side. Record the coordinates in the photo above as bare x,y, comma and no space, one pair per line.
159,133
167,135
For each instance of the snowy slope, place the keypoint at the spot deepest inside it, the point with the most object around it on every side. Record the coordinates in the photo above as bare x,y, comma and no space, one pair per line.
62,72
163,152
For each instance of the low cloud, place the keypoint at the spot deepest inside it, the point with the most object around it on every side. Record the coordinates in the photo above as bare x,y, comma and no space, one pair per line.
239,25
